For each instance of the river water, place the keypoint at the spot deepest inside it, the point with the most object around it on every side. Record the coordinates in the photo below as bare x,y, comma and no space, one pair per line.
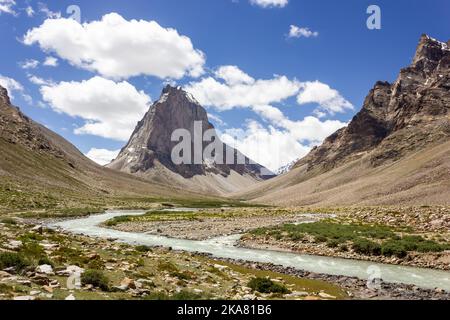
224,247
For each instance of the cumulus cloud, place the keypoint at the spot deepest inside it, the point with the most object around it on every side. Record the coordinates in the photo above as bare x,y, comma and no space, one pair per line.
232,75
298,32
102,156
29,64
110,109
7,6
11,85
50,62
40,81
118,48
239,91
329,100
270,3
280,140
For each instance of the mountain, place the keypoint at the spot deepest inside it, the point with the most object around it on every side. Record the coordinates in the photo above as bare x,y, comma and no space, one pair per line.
39,170
149,151
395,150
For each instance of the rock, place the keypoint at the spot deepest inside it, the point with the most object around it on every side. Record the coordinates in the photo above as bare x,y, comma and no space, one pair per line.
312,298
45,269
326,296
151,145
128,283
14,245
297,294
70,297
249,297
34,292
24,298
48,289
70,270
39,229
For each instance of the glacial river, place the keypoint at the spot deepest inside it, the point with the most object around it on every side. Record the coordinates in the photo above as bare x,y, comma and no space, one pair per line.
224,247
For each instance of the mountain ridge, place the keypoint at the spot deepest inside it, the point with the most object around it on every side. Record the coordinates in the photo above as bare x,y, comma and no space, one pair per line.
405,119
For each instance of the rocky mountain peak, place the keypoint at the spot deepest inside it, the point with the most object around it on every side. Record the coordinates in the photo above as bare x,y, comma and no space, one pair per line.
395,118
151,142
4,97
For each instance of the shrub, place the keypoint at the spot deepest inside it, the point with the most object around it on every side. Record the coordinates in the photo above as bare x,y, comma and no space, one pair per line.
13,260
95,278
393,248
366,247
143,249
265,285
332,243
8,221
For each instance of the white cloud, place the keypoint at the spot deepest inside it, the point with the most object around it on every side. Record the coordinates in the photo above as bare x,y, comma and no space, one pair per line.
297,32
50,62
102,156
11,85
6,6
29,64
49,13
282,140
29,11
232,75
226,96
39,81
110,109
117,48
329,100
270,3
218,120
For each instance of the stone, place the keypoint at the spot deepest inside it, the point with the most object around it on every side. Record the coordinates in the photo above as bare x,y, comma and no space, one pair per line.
70,297
326,295
45,269
14,245
48,289
24,298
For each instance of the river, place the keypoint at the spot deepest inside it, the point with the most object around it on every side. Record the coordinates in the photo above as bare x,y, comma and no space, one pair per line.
224,247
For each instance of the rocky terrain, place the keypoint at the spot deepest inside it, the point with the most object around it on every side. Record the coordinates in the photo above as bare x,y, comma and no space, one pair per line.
395,150
41,264
431,224
149,150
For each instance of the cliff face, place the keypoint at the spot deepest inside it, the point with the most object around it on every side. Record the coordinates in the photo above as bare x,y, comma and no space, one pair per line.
395,118
150,144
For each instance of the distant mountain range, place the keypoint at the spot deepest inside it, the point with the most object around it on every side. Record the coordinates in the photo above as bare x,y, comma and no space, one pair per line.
396,150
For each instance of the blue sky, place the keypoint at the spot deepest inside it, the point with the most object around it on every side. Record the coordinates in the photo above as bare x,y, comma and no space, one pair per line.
276,79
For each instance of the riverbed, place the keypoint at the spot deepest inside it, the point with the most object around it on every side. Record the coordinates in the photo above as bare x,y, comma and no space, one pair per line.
225,248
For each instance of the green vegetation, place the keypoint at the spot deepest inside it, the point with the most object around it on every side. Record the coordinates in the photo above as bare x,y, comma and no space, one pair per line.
13,260
265,285
364,239
8,221
96,278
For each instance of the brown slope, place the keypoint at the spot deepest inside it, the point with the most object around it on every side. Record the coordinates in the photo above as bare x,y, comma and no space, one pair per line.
40,169
395,150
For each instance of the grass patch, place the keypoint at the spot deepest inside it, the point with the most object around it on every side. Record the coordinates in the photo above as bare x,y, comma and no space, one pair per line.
265,285
13,260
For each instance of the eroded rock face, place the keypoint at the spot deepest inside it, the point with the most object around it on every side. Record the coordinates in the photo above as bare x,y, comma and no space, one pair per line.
151,140
17,128
396,118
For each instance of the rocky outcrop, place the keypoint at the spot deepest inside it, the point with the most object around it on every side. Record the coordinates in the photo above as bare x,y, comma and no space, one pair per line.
151,143
17,128
396,118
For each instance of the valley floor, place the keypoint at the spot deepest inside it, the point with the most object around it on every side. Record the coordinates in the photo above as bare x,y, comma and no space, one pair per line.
36,262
